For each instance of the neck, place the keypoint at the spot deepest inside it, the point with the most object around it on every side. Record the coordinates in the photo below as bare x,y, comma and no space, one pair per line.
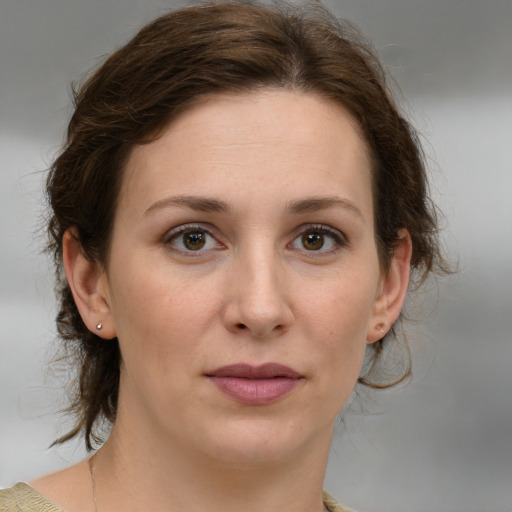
161,476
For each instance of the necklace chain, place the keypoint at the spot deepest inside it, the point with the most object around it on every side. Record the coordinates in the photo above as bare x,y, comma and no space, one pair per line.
93,483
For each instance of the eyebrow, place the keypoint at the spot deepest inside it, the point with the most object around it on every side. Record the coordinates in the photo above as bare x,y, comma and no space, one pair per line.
198,203
208,204
315,204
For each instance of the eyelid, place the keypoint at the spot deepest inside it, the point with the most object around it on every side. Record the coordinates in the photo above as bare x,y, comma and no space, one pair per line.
175,232
189,226
339,238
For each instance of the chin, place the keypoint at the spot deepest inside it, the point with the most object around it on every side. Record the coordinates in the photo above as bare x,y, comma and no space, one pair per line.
252,443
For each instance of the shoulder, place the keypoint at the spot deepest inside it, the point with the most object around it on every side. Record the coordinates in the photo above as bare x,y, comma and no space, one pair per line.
23,498
332,505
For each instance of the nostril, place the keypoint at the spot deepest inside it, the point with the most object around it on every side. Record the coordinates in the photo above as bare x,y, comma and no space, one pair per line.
241,326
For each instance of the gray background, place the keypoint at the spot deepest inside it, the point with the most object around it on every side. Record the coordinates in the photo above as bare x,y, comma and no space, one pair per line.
442,443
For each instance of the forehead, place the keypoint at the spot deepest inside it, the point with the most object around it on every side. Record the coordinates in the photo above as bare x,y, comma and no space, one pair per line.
287,142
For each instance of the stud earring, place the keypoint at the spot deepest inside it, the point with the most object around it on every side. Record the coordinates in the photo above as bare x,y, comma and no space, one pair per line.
381,326
99,326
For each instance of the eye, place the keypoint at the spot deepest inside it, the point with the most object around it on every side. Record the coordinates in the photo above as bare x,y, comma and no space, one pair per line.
319,239
191,239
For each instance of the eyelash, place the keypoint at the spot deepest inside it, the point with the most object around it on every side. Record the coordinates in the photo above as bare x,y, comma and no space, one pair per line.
338,239
180,231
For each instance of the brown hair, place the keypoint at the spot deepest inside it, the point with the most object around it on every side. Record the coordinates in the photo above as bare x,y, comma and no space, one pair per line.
177,59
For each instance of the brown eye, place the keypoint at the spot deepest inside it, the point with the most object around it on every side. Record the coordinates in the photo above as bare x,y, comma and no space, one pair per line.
194,240
313,241
319,238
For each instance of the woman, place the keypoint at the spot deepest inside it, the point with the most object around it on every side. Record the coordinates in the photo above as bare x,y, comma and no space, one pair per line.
237,211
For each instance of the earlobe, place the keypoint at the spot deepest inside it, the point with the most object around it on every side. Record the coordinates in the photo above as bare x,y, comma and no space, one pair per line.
393,290
88,283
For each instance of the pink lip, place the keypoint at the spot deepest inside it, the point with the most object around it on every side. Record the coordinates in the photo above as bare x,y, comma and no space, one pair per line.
255,385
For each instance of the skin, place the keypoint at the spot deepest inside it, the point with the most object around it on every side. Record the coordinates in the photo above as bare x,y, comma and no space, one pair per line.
252,174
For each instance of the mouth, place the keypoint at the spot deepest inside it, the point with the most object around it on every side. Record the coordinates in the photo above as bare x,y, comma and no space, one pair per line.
255,385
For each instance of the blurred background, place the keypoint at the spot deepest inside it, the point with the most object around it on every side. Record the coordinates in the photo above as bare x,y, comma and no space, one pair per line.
442,443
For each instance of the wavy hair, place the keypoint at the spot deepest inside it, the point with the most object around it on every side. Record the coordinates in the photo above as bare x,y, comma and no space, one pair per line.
171,63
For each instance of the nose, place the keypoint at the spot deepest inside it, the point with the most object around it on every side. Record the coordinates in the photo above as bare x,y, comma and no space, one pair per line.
258,301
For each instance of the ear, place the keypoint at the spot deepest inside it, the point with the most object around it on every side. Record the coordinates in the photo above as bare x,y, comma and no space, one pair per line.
88,283
392,290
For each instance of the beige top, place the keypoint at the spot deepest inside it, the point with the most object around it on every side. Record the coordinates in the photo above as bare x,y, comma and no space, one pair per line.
22,498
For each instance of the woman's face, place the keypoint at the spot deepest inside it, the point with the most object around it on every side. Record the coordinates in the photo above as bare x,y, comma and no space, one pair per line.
243,280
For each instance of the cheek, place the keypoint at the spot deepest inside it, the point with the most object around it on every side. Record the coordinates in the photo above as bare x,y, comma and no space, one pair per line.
158,318
342,305
338,321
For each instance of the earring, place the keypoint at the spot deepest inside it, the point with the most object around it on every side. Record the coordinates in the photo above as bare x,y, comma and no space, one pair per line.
381,327
99,326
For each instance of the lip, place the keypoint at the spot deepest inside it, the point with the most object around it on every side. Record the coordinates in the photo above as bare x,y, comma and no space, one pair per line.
255,385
